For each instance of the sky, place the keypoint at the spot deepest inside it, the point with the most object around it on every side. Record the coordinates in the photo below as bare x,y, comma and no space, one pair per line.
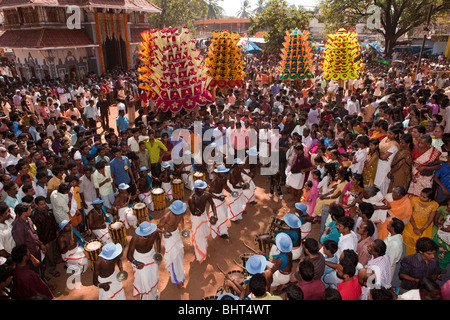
231,7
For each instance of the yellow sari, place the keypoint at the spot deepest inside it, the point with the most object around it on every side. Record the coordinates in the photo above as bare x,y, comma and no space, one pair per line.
421,212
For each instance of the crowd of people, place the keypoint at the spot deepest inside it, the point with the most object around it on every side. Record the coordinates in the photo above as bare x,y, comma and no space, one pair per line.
365,159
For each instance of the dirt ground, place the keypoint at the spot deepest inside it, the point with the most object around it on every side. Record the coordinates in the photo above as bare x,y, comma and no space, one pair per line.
202,280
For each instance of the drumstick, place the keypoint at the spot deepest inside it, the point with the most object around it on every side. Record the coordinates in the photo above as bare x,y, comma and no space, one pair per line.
239,265
254,251
221,270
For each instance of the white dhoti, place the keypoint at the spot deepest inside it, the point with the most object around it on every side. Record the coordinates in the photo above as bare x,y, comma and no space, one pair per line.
305,229
280,278
147,199
145,282
188,178
199,235
249,194
236,205
76,259
167,186
116,290
173,257
296,251
295,180
127,216
220,228
102,235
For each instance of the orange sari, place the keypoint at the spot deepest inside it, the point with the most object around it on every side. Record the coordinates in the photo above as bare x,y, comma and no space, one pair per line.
400,209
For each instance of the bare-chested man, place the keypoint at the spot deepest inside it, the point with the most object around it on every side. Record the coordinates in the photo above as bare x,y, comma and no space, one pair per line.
97,223
166,178
238,202
169,225
143,246
144,185
121,205
105,273
71,253
199,217
217,185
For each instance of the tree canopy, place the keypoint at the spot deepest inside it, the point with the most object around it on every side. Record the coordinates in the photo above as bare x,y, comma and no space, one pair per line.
397,17
277,18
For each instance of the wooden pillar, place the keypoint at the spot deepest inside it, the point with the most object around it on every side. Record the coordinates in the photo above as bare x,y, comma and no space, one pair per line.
99,41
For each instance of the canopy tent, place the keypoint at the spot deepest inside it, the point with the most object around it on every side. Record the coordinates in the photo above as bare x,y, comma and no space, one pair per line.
248,46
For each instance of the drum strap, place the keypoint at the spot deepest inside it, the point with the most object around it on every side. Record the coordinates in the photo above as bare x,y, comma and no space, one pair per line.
81,241
149,180
107,217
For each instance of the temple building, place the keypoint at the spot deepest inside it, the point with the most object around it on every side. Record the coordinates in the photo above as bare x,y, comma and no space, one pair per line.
59,38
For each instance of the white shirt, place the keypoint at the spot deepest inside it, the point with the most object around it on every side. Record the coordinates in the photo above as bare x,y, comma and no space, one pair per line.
7,242
351,107
394,249
349,241
360,157
133,144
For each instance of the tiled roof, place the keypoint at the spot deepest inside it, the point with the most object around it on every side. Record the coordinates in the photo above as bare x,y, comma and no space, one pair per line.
135,34
137,5
45,38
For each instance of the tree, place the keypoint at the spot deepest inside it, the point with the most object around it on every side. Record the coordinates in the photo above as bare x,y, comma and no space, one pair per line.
277,18
398,17
260,6
244,11
178,13
215,11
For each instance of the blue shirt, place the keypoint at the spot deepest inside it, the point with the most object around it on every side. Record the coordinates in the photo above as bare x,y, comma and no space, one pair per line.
122,123
120,170
444,175
333,235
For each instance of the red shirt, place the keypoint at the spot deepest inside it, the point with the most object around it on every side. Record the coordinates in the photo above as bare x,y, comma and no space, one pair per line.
350,290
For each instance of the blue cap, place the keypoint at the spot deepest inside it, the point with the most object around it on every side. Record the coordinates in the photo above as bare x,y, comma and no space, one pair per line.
221,168
111,251
200,184
97,201
301,206
292,221
256,264
283,242
145,228
178,207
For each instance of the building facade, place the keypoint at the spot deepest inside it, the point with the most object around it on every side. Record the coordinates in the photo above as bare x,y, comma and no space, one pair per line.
72,38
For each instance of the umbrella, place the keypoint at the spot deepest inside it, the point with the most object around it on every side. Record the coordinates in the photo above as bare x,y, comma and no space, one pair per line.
248,46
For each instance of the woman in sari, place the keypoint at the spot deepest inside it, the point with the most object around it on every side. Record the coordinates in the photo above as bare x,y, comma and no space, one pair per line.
381,128
400,173
348,199
401,208
421,223
389,147
334,192
442,234
425,160
370,165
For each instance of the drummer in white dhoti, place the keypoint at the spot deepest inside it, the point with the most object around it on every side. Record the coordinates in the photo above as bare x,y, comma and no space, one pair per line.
281,264
199,218
105,273
166,179
238,202
71,252
144,186
294,232
216,188
187,170
122,206
169,225
141,251
97,222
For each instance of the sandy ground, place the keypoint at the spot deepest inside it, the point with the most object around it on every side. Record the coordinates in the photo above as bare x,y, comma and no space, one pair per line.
202,280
